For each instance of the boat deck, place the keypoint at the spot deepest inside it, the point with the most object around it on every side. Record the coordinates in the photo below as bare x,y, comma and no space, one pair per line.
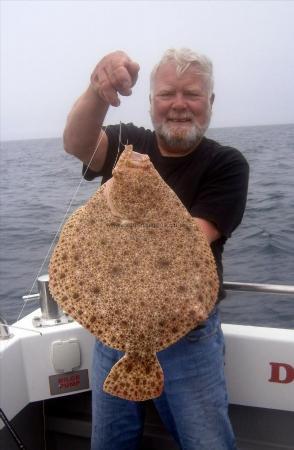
262,410
68,426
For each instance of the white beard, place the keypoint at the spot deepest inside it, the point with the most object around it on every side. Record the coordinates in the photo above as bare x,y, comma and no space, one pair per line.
180,138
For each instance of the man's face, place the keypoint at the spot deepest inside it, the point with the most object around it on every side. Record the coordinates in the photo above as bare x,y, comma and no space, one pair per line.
180,109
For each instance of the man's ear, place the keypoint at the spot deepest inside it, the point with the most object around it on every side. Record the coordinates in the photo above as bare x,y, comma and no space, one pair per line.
212,97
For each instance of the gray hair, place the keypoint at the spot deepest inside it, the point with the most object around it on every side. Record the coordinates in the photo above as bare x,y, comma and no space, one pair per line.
183,59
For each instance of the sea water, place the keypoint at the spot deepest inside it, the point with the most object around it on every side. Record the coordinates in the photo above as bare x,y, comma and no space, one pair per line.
38,181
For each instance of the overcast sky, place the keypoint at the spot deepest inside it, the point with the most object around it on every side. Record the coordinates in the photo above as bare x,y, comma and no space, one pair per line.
49,48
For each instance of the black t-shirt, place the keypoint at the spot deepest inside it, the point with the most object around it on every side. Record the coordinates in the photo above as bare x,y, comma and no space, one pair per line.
211,181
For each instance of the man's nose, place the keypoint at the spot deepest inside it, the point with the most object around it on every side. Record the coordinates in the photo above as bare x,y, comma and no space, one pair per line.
179,102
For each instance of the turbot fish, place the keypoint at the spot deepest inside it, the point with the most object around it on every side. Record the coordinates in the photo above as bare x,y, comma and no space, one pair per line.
133,267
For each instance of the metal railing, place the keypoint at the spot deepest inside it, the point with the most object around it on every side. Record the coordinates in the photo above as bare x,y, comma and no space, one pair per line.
259,287
228,285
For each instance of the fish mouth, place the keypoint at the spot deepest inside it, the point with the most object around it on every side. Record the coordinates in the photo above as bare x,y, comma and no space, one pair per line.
138,160
106,192
118,217
135,156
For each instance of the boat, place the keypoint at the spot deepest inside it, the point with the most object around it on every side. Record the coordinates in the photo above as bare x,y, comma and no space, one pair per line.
45,373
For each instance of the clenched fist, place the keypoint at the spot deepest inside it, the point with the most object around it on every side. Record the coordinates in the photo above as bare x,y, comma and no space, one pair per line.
115,73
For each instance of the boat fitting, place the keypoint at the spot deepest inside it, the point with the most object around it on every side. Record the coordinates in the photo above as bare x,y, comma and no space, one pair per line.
51,313
4,329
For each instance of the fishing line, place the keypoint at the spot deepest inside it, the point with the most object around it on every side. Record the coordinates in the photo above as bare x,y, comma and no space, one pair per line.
61,225
119,145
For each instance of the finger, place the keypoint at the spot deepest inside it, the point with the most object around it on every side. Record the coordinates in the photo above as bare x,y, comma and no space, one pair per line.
103,87
120,79
133,69
123,74
108,90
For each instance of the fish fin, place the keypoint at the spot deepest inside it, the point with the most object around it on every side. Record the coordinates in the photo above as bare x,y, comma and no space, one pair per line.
135,378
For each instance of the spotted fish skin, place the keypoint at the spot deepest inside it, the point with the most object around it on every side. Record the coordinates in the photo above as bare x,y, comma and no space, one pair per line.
133,267
135,377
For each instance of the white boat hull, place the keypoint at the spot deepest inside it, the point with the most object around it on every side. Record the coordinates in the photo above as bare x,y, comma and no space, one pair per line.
259,365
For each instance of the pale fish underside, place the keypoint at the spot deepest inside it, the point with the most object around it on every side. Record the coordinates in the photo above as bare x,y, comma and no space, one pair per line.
132,266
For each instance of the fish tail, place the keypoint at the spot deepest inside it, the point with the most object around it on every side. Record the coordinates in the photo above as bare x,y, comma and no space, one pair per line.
135,378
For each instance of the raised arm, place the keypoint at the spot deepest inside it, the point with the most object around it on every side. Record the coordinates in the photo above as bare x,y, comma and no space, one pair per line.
115,74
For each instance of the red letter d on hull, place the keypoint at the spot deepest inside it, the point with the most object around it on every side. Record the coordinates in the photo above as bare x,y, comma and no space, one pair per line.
281,373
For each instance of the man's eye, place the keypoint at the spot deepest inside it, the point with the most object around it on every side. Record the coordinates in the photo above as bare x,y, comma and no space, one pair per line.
166,94
192,94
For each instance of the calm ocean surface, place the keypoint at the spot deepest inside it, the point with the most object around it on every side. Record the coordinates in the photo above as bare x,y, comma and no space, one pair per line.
38,180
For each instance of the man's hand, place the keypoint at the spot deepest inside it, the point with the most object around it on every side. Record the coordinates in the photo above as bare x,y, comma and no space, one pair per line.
209,229
115,73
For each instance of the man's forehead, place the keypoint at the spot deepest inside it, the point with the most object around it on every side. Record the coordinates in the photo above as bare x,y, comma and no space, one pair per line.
167,73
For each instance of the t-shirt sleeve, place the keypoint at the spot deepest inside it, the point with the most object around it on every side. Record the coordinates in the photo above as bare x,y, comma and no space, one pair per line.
113,135
118,136
222,196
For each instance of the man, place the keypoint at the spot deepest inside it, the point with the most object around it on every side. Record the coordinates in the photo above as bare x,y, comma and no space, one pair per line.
211,181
